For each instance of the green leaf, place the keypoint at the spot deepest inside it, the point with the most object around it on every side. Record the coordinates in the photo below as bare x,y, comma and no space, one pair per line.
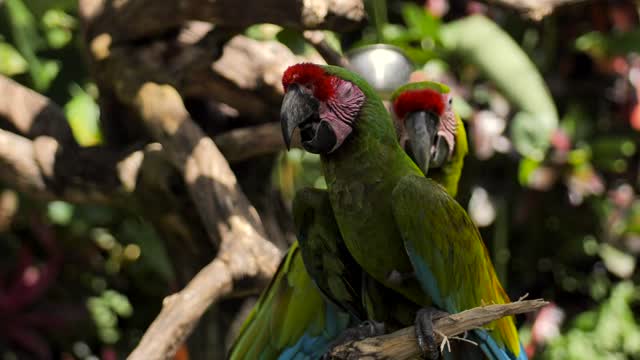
482,43
57,26
397,34
608,332
377,11
25,35
58,38
529,138
610,153
84,117
118,302
420,22
263,32
11,62
601,45
294,40
619,263
40,7
527,167
60,212
54,18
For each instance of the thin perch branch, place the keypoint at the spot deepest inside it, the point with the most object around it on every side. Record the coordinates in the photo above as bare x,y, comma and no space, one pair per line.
402,344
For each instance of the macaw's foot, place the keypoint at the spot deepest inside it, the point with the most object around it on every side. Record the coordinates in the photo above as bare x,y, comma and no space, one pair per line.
424,331
365,329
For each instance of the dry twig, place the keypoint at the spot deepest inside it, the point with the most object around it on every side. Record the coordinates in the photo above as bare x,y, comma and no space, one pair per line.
402,344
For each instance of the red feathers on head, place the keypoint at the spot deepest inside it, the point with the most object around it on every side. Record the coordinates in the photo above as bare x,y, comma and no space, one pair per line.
311,75
419,100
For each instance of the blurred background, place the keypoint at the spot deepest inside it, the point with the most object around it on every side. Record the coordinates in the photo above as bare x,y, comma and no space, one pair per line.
548,91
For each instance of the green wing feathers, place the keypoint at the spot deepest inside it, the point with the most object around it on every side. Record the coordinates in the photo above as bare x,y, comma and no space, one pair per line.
293,306
450,258
324,252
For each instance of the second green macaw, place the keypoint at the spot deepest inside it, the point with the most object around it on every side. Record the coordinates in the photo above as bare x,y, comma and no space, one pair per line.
403,229
293,318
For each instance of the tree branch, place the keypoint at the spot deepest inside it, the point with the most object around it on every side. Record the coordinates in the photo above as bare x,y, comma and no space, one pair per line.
402,344
535,9
331,56
245,143
135,19
32,114
225,212
244,73
52,167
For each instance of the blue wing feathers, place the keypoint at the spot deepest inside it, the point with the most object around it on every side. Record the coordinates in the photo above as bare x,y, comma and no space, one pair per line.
313,347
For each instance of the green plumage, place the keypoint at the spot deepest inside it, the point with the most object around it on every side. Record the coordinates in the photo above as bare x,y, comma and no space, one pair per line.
388,212
324,253
292,308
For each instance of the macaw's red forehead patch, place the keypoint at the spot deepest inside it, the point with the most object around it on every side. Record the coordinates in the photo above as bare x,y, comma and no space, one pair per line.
312,76
419,100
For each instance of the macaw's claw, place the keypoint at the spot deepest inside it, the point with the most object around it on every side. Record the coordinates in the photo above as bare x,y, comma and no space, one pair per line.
424,331
365,329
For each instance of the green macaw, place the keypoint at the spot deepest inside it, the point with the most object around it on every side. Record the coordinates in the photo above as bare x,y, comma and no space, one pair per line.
402,228
284,310
291,319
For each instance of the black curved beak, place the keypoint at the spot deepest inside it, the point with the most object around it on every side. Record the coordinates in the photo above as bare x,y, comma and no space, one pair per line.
297,108
421,127
441,152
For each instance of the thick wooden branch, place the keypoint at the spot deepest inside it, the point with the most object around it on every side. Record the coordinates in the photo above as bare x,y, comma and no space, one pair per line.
402,344
247,76
226,214
244,73
134,19
42,169
18,165
51,166
534,9
32,114
245,143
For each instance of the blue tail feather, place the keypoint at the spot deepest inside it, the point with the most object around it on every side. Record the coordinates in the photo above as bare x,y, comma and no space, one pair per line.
493,351
311,347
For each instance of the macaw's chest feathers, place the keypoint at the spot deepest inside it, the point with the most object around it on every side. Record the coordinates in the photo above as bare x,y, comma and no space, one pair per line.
363,207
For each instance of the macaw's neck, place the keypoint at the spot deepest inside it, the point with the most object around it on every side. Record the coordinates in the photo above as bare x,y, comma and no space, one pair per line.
370,152
361,176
